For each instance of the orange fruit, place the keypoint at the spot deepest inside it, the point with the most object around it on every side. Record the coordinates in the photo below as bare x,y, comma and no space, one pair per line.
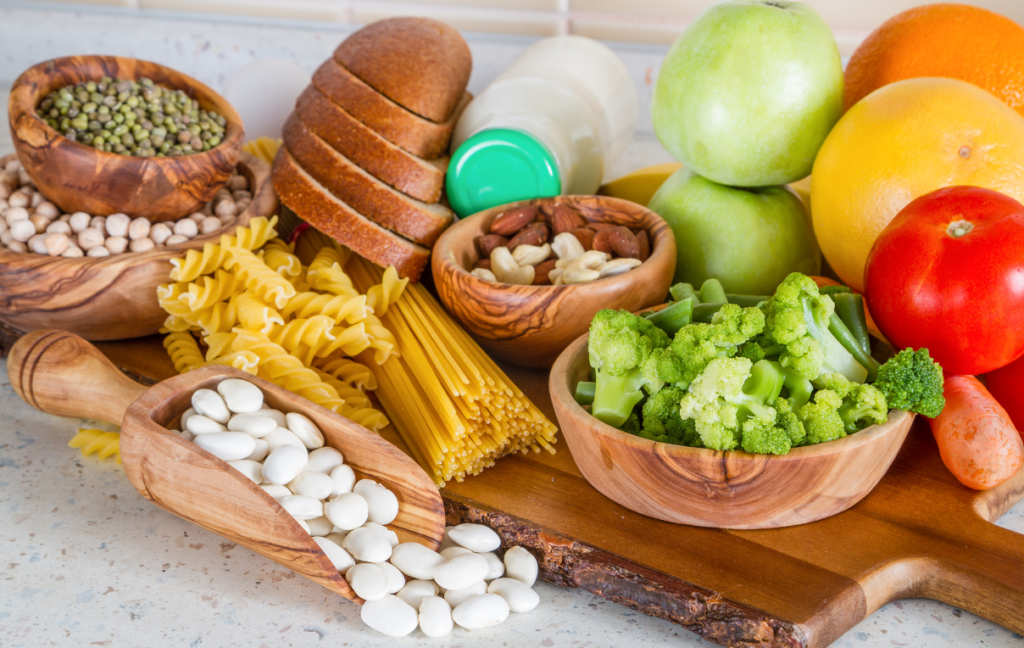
900,142
942,40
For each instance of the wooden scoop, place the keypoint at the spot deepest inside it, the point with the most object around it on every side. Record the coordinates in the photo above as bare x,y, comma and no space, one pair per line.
60,373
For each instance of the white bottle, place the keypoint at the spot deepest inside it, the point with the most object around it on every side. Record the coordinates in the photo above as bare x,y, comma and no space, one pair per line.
548,125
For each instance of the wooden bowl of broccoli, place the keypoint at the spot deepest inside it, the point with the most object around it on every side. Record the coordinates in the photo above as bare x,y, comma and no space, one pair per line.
715,422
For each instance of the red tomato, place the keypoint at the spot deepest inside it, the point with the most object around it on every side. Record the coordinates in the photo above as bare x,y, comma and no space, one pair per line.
1007,385
948,274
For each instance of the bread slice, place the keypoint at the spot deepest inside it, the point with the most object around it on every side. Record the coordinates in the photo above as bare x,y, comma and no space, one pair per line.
411,218
321,209
408,130
419,63
421,179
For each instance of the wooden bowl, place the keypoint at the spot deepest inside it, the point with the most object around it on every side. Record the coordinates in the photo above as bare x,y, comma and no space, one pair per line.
530,325
108,298
61,374
77,177
727,490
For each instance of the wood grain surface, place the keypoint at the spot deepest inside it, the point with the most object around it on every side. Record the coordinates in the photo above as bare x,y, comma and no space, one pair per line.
114,297
61,373
530,325
77,177
919,533
729,490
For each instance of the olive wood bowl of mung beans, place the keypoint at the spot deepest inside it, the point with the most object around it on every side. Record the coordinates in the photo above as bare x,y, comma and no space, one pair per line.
106,135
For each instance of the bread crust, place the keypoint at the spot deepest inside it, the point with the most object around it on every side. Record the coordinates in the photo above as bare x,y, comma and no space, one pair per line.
419,178
364,193
421,64
321,209
419,136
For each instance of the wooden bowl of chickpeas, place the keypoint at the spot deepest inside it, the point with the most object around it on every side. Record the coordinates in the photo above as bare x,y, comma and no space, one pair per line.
97,276
107,135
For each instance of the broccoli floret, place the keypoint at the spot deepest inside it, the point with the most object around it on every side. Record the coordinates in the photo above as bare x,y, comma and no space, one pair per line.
786,419
863,405
798,317
695,345
821,418
730,397
912,382
619,344
632,424
761,436
661,420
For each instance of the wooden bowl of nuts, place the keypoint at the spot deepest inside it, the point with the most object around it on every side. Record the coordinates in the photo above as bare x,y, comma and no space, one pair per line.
106,135
97,276
570,257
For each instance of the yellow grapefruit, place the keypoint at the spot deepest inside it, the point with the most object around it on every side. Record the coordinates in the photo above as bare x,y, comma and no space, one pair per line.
900,142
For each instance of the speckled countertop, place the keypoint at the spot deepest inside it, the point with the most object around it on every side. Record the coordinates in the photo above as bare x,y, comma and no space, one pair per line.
86,561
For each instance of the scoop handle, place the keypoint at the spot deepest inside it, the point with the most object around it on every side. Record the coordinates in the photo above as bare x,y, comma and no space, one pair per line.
60,373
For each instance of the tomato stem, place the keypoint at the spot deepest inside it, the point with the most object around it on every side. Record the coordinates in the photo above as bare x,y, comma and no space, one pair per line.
959,228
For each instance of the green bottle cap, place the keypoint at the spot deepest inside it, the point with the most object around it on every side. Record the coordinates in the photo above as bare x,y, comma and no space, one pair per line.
499,166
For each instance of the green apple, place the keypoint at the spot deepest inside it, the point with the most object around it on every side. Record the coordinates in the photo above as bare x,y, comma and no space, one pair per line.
750,239
748,93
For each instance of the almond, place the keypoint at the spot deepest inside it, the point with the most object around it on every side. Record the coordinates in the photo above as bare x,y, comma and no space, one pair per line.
533,234
565,219
585,236
619,240
602,242
512,221
599,227
483,263
485,244
541,271
545,213
643,245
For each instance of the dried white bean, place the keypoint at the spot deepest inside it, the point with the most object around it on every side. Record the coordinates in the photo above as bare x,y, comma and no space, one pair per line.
98,252
337,537
15,214
451,552
210,404
281,437
36,200
521,565
160,232
17,247
435,616
460,596
390,615
415,560
137,229
312,484
391,535
396,580
276,490
519,596
368,545
383,504
186,228
368,581
22,230
495,568
19,199
302,525
475,537
461,571
41,222
56,227
305,429
241,396
342,477
347,511
228,446
116,244
415,591
175,239
117,224
55,243
36,244
185,416
99,223
481,611
340,558
278,416
255,425
251,469
260,452
198,217
284,464
141,245
47,209
210,224
324,460
72,252
319,526
226,208
198,424
79,221
299,506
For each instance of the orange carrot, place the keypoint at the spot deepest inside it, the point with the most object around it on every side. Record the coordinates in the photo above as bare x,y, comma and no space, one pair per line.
977,440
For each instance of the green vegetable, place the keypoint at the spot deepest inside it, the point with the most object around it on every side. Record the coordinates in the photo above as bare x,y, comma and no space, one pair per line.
851,343
863,405
912,382
674,317
711,291
584,393
798,317
850,309
696,345
619,345
821,418
682,291
747,300
661,420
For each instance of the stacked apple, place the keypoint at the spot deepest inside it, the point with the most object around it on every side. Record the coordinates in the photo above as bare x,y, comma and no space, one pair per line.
744,99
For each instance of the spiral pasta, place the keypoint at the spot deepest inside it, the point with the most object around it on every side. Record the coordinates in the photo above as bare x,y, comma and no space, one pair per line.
303,338
348,308
184,351
211,290
214,256
278,256
254,313
104,444
387,292
259,279
347,371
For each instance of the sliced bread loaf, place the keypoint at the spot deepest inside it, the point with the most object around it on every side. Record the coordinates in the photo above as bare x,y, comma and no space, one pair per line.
419,63
413,219
408,130
422,179
320,208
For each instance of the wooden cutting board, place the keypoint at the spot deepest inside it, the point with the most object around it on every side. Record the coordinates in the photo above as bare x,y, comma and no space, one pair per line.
918,534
